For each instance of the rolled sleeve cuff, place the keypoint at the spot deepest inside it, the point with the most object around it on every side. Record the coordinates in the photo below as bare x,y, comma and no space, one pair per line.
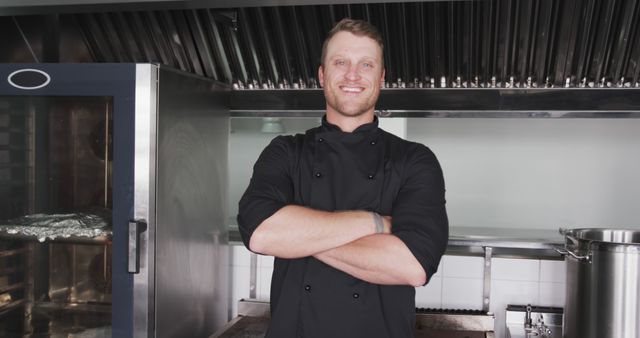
248,221
428,260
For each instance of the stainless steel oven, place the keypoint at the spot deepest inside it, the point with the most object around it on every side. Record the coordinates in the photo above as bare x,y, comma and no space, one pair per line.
113,216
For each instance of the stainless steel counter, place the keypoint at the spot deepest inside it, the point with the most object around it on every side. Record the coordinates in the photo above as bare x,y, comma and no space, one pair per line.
504,242
476,241
253,321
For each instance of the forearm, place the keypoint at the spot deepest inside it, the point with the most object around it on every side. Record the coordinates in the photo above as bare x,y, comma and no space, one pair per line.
378,259
295,231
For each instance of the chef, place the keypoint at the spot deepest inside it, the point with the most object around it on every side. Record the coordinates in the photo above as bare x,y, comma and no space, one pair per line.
354,216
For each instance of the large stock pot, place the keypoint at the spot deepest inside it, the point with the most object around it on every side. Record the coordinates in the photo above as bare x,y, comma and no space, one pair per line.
603,283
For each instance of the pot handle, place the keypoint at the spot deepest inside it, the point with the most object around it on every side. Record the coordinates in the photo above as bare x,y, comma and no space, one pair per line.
568,234
565,252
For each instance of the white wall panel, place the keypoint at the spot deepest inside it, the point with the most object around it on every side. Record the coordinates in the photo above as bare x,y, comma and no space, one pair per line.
462,293
537,173
430,295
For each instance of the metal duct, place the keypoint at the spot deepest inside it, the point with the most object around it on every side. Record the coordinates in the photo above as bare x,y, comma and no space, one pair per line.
455,44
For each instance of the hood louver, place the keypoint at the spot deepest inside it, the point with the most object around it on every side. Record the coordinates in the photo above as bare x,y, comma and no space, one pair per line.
461,44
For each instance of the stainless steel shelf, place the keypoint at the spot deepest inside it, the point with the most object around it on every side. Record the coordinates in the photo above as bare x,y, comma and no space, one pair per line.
13,184
4,309
12,287
79,307
452,103
10,270
12,252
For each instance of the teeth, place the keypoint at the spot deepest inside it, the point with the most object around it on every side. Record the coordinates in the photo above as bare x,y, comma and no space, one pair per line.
352,89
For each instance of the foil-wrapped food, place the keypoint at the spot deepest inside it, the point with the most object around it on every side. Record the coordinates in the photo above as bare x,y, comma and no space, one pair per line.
5,298
53,226
98,332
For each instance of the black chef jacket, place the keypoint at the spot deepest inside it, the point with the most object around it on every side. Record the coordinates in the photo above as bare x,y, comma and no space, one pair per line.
327,169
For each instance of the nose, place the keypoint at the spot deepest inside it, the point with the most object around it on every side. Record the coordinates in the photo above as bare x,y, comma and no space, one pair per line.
352,73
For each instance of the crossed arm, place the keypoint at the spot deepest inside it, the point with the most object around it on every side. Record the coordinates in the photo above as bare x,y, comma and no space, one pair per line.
345,240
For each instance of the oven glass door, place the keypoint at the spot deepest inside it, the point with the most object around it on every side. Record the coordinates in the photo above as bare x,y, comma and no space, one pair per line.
56,157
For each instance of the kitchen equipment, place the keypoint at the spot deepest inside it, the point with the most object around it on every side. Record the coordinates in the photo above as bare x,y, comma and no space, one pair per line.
253,320
454,323
603,283
527,321
141,144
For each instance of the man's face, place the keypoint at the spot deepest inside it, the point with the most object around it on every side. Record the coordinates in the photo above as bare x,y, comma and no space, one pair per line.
352,74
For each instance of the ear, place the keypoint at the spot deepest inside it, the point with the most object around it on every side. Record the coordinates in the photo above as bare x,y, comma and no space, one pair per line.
321,76
382,79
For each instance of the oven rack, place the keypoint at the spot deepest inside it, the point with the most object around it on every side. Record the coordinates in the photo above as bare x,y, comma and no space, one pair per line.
105,239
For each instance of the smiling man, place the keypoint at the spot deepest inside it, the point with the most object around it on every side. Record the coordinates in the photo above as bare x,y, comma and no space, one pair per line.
351,75
354,216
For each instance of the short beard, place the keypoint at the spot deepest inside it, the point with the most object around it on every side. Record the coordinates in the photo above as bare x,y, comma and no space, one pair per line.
366,107
342,111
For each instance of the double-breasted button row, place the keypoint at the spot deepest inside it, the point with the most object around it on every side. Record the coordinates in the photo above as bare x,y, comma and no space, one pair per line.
318,174
308,289
373,143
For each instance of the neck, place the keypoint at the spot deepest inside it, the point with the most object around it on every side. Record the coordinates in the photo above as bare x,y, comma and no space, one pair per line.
349,123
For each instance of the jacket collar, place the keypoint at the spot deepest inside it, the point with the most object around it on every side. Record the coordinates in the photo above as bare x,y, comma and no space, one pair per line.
365,128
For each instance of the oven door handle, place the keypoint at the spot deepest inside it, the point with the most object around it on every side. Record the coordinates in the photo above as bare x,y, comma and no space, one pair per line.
136,228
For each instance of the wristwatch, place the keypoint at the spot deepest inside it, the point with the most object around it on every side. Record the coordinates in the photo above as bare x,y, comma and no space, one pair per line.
377,220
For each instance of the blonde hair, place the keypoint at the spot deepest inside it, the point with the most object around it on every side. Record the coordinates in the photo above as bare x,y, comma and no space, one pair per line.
355,27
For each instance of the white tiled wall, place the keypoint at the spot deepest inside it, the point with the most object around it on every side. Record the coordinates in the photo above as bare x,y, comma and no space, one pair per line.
461,273
430,295
241,276
458,284
265,270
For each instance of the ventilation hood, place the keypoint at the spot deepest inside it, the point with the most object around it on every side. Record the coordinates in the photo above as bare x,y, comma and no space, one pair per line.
525,50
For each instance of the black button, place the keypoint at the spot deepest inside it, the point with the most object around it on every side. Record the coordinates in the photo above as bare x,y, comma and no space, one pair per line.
307,287
321,140
370,176
318,174
373,143
356,295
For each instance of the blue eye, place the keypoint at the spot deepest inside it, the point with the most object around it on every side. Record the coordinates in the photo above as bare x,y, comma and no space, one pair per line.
368,65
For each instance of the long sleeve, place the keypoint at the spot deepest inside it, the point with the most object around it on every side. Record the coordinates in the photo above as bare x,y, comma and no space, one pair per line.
270,187
419,213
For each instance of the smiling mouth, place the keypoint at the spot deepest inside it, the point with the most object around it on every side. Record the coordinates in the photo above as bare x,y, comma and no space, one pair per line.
352,89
